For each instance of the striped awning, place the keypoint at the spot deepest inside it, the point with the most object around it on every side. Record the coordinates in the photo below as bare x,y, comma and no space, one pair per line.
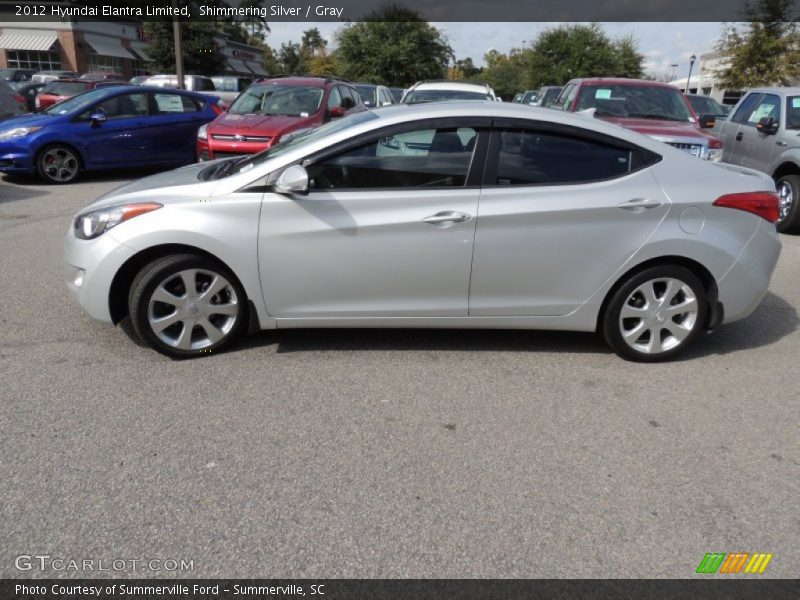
27,39
107,46
256,68
140,48
237,66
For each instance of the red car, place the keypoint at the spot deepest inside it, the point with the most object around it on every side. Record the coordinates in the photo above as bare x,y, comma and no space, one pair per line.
658,110
59,90
270,109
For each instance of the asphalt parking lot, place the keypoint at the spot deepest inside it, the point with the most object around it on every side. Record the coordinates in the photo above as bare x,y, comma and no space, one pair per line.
384,453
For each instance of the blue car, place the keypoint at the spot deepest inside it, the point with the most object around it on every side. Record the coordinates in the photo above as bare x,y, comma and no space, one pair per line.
106,128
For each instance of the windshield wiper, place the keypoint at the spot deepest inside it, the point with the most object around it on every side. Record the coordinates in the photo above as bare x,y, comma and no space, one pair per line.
661,117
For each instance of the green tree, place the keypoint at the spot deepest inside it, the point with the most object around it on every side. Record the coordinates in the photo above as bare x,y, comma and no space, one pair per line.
289,58
200,53
569,51
393,46
766,51
506,73
467,68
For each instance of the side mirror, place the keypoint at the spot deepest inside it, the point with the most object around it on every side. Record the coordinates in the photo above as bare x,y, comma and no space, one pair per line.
336,112
98,116
767,125
293,180
707,121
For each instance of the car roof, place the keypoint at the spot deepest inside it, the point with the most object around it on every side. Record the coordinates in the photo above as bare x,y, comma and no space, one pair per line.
452,85
781,91
624,81
299,80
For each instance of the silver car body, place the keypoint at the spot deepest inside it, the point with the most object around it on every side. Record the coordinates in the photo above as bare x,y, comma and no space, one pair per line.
534,257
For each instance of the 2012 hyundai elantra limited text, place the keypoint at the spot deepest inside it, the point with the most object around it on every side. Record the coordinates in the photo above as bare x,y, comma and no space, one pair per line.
466,214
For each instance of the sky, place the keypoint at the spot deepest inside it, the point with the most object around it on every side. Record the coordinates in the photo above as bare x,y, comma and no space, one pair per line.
663,44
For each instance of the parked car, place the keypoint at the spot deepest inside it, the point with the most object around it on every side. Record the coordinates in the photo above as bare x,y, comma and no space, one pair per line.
397,94
529,97
374,96
547,95
11,102
102,76
110,127
762,133
194,83
273,108
139,79
48,76
518,97
582,226
436,91
649,107
228,88
28,90
16,74
61,89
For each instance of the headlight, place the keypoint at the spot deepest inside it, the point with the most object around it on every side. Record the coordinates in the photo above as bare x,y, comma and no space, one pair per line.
92,224
17,132
202,133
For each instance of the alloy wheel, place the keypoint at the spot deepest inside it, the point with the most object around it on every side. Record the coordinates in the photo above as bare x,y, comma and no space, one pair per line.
60,164
786,198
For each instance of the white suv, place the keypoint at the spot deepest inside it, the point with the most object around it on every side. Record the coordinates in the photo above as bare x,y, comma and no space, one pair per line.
434,91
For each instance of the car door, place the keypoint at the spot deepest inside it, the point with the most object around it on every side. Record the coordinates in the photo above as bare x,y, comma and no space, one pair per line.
175,117
560,212
121,139
382,232
732,133
754,149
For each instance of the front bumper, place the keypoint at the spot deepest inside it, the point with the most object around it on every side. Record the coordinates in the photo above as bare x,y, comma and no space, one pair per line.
212,149
16,157
89,270
745,284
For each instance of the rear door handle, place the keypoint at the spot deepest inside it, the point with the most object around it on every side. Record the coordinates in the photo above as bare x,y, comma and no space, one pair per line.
739,136
446,218
639,203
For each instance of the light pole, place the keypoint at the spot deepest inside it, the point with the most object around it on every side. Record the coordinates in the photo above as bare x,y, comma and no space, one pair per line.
692,58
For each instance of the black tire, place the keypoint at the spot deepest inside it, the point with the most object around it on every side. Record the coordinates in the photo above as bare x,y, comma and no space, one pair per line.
210,331
49,169
790,223
657,318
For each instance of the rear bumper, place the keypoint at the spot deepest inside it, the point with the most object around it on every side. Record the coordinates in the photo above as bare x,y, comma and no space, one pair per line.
745,284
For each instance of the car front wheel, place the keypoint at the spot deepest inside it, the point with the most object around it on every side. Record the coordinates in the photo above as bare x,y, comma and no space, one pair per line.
187,305
655,314
58,164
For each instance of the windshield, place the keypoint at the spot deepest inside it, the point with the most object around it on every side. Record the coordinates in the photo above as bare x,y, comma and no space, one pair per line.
367,93
705,105
288,100
306,137
76,103
529,97
419,96
550,96
645,102
64,88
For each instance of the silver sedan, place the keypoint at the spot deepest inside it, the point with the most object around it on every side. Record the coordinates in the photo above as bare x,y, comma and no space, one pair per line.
467,215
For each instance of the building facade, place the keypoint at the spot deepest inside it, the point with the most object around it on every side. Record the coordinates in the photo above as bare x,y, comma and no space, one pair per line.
98,46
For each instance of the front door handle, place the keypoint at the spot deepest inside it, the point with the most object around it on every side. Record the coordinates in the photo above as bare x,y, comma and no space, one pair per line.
639,203
446,218
781,143
739,136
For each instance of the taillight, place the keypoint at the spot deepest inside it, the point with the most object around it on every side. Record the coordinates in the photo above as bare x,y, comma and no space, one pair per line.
715,144
763,204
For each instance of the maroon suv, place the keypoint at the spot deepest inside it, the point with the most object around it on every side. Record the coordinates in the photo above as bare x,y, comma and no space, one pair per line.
658,110
270,109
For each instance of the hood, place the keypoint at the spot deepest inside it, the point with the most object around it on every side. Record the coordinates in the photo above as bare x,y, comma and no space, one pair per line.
174,186
265,125
658,128
29,120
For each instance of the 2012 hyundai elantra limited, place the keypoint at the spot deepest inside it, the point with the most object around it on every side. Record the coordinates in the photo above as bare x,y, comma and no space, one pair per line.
469,215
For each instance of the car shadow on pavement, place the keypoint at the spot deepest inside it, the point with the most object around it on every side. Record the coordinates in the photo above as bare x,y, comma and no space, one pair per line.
773,320
19,182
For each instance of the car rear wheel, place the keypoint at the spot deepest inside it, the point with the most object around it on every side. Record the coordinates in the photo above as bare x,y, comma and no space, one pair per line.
788,188
187,305
655,314
58,164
